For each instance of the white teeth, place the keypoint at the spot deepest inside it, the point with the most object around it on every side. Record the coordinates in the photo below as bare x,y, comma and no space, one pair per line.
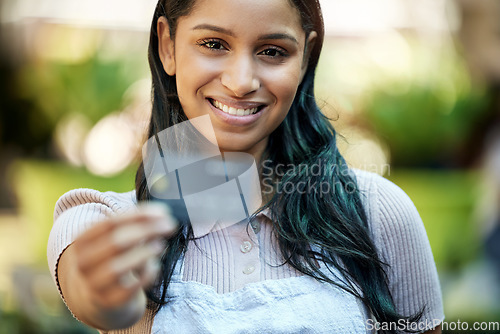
234,111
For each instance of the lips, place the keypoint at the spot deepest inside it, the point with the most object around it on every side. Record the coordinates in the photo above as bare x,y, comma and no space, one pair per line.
238,109
251,111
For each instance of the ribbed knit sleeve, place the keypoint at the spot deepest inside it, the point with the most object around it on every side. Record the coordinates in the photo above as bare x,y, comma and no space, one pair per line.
400,237
75,212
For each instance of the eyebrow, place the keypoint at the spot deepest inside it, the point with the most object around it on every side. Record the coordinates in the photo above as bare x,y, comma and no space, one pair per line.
279,36
230,33
213,28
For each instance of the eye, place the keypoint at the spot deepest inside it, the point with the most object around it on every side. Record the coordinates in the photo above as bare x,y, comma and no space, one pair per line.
212,44
274,52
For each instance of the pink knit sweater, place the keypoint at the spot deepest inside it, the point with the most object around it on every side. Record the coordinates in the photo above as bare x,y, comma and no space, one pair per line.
233,257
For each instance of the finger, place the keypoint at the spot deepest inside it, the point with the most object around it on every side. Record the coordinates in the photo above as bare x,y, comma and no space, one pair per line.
129,235
136,257
121,239
94,232
109,273
145,213
118,296
128,280
149,273
145,275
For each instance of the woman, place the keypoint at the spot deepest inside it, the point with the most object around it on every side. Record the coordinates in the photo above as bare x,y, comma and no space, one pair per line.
348,258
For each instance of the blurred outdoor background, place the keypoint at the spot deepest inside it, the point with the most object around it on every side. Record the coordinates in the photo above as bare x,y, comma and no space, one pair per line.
412,86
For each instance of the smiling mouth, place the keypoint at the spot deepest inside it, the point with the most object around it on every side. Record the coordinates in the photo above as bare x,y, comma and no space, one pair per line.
234,111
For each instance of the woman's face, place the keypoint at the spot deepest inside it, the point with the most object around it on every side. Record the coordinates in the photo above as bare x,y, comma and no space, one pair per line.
239,61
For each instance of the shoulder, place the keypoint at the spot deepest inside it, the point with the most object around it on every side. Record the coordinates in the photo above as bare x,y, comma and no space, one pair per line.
109,203
393,219
400,238
389,209
376,190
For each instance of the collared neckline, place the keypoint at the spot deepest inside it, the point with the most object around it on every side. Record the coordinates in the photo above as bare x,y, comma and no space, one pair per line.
200,231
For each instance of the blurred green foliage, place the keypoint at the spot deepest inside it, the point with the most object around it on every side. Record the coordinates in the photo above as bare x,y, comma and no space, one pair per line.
446,201
421,128
93,87
427,117
20,323
39,94
38,185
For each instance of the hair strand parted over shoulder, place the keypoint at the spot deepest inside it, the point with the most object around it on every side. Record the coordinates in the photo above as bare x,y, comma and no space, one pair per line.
308,227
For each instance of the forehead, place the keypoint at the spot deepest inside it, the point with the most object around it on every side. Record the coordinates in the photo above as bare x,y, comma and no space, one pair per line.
251,16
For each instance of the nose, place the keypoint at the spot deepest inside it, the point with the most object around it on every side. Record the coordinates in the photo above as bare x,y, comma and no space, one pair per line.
240,76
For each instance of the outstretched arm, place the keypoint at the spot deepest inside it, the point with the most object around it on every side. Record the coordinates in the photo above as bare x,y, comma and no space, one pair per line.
103,273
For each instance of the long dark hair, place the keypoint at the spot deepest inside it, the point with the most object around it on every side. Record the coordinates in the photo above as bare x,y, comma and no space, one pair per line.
329,226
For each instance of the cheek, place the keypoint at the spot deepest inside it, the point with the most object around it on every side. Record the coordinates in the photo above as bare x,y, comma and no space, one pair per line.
284,83
193,72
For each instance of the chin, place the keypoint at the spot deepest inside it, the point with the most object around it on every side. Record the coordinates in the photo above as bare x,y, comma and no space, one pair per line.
233,146
239,142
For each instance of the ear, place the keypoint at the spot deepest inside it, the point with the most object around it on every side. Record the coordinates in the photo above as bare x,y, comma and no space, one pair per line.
166,46
311,40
